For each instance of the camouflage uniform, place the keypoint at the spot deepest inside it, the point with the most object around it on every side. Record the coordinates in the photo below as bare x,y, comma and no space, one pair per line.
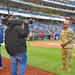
67,38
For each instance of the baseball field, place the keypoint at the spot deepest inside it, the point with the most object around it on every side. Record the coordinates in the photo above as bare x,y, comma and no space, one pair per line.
44,58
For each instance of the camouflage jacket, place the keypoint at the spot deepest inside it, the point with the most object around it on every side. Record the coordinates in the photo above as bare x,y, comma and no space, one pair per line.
67,37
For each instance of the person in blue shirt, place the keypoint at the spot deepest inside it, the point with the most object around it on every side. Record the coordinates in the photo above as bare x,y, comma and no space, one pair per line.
1,40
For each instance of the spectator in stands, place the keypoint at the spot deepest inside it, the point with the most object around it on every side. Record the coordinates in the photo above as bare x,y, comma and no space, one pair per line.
49,35
31,36
41,35
15,45
53,36
66,40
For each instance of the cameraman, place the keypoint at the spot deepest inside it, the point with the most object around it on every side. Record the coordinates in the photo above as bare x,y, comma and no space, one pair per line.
16,45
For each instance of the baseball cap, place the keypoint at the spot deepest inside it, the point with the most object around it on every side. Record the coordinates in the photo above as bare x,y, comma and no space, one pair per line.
66,22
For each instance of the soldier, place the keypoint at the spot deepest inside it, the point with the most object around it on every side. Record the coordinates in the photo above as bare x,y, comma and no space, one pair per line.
66,39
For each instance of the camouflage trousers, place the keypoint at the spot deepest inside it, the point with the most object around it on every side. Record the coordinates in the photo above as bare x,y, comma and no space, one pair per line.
67,54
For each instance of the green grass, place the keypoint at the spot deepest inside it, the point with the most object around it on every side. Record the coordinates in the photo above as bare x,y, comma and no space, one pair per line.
48,59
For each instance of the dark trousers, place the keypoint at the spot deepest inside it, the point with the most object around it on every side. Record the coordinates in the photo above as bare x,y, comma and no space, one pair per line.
0,58
31,38
49,37
0,61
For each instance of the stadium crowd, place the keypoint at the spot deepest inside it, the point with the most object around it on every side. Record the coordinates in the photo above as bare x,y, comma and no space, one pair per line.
49,30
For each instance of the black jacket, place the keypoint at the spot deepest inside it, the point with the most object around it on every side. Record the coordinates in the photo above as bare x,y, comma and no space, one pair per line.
15,39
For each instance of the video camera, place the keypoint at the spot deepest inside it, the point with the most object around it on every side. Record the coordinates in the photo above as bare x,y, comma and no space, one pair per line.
31,21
